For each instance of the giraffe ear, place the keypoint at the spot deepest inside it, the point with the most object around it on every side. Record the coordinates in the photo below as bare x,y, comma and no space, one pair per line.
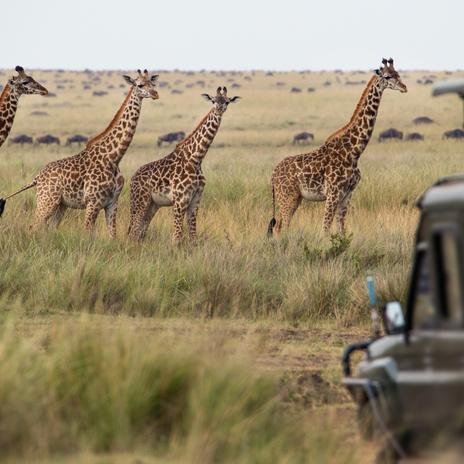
207,97
129,80
234,99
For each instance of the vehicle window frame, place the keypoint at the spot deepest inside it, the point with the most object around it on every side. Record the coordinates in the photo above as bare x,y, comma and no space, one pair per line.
420,254
441,292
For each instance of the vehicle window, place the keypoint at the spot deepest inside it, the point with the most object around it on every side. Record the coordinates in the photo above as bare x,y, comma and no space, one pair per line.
449,276
423,308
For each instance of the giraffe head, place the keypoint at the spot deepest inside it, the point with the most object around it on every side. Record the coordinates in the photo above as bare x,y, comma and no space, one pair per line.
24,84
220,100
389,77
144,84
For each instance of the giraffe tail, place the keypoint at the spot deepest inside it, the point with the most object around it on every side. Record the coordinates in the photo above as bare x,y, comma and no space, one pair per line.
3,200
273,221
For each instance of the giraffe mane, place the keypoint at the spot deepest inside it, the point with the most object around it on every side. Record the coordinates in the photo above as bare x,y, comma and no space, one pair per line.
4,93
355,113
183,142
113,122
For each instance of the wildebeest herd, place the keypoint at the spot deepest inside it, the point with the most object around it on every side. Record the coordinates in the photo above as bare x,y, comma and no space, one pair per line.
48,139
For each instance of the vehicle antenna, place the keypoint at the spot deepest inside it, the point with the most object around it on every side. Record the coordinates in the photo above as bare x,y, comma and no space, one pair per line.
373,305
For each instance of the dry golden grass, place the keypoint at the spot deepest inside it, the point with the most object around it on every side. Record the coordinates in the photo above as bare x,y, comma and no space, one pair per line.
309,302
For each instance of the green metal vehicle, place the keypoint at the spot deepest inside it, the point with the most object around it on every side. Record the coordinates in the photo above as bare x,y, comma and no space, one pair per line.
409,386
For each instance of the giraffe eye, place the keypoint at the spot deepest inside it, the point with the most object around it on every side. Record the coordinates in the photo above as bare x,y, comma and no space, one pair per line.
140,85
387,77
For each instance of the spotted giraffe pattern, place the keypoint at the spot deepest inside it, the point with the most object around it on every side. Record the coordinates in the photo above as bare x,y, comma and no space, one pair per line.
330,173
91,180
22,84
177,179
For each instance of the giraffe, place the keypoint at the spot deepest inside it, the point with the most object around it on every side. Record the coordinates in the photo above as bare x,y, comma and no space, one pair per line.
330,173
22,84
177,179
91,180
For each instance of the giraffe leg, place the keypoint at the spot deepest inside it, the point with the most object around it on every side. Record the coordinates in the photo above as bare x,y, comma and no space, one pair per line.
345,202
288,202
110,216
47,207
150,213
341,214
331,204
289,210
91,213
180,208
111,209
142,210
55,220
192,211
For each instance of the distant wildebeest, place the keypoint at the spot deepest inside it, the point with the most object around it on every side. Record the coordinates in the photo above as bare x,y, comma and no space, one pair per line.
170,137
176,91
79,139
423,120
327,83
47,140
302,137
390,134
311,89
295,90
235,85
362,82
39,113
99,93
453,134
413,136
21,140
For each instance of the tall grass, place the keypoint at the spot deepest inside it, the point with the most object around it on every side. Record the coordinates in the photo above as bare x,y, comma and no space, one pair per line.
82,388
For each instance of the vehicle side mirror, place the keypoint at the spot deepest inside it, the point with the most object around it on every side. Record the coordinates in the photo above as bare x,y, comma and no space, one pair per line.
393,318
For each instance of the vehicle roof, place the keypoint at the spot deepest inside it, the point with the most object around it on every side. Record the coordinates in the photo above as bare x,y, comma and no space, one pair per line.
447,191
450,86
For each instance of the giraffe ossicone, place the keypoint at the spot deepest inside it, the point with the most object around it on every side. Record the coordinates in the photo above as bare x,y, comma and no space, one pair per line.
330,173
177,179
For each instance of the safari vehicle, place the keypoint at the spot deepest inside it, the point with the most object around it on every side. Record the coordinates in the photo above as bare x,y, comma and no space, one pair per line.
409,386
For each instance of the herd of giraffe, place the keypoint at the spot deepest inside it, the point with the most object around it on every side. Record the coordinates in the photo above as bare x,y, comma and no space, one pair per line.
91,180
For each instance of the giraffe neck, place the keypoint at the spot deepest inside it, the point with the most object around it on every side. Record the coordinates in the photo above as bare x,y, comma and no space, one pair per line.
196,145
8,106
114,141
357,133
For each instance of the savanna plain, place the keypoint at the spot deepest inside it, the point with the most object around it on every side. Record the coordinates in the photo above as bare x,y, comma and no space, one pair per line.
120,352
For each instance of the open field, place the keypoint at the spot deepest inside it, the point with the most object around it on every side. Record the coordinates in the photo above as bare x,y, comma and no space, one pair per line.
271,315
